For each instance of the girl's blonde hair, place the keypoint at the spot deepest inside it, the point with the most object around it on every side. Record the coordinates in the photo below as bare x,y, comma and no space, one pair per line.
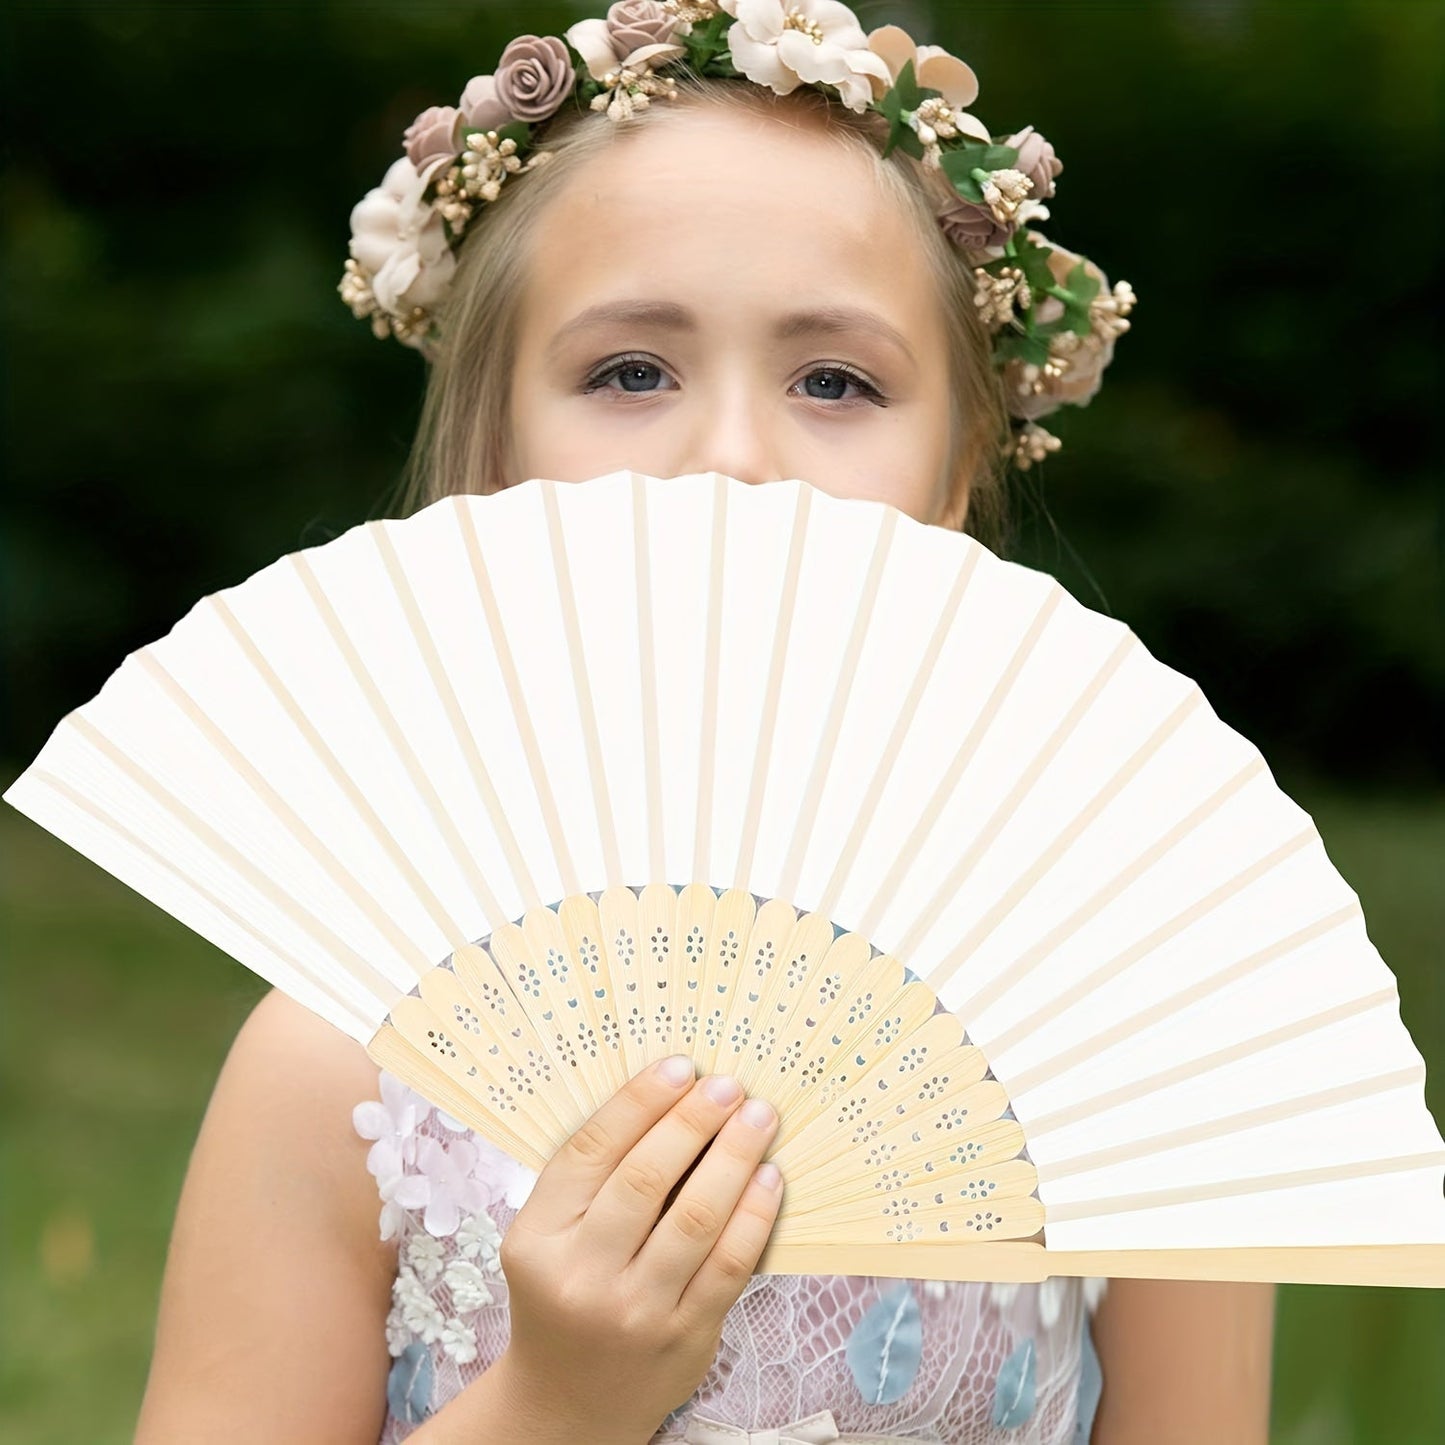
461,443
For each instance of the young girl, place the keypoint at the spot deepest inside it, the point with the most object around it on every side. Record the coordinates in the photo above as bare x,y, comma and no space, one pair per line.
733,277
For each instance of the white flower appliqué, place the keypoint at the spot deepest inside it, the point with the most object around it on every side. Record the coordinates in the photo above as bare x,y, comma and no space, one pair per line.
454,1190
418,1311
424,1255
459,1341
468,1285
393,1124
479,1239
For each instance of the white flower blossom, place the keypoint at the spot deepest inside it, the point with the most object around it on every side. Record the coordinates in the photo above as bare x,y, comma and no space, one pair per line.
459,1341
454,1190
506,1178
478,1238
424,1255
419,1311
468,1285
399,1193
392,1123
398,1337
399,239
814,41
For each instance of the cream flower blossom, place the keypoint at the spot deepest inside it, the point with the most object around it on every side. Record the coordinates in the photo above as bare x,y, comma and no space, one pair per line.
399,240
934,69
818,41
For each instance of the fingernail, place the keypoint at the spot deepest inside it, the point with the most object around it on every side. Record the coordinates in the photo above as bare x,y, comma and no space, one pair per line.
758,1113
721,1088
676,1069
768,1175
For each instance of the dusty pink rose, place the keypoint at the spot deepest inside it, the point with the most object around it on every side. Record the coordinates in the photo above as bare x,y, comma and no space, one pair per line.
1036,160
631,24
480,106
534,76
972,227
434,133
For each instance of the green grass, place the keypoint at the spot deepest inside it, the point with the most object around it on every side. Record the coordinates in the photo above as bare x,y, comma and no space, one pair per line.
116,1019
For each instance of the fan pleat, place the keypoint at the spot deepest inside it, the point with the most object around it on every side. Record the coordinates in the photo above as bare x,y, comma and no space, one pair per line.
464,736
602,804
767,723
647,668
825,750
406,945
711,691
126,854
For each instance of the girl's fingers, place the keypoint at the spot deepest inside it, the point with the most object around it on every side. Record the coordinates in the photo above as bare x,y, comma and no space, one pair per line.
696,1221
567,1186
628,1204
725,1273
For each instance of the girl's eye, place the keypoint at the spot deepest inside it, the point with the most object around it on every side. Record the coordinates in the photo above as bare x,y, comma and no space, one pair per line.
637,375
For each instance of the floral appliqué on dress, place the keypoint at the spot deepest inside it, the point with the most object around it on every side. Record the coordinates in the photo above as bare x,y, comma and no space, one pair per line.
950,1363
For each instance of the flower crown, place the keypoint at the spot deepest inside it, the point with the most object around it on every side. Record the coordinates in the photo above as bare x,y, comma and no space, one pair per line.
1052,315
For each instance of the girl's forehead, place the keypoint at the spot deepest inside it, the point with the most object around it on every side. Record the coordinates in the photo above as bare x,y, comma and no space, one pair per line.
776,215
757,183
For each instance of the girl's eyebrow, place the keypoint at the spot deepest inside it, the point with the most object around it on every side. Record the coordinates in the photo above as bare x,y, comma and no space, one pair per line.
669,315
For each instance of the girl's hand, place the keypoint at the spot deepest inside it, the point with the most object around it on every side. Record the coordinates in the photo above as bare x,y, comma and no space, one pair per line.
616,1313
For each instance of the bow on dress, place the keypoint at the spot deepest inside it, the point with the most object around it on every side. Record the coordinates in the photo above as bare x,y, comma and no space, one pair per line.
816,1429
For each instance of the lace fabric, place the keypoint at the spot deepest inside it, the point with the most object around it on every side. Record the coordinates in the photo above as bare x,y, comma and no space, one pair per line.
952,1363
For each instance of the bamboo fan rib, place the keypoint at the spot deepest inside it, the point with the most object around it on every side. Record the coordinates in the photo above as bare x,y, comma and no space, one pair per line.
1043,971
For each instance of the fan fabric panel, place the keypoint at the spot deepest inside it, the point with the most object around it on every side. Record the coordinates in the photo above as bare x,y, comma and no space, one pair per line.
373,752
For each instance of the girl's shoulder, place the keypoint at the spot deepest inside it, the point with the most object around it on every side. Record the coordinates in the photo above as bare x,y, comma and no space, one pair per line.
274,1248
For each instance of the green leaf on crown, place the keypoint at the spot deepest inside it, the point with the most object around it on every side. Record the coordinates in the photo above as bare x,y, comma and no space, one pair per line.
1032,259
1083,288
1018,346
904,96
516,130
706,42
960,162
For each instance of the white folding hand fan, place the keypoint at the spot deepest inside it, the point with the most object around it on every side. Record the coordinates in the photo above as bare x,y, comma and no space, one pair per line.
1042,970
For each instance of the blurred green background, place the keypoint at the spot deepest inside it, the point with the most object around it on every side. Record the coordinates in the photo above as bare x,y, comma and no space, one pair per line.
1256,491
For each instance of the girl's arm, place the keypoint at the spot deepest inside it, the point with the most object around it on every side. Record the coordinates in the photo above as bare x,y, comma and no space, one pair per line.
277,1285
1184,1362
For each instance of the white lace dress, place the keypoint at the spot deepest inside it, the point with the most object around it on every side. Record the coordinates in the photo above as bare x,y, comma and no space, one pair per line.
807,1358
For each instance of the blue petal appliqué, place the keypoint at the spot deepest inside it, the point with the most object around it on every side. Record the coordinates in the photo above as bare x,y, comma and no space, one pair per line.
409,1385
1013,1395
1091,1384
886,1346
